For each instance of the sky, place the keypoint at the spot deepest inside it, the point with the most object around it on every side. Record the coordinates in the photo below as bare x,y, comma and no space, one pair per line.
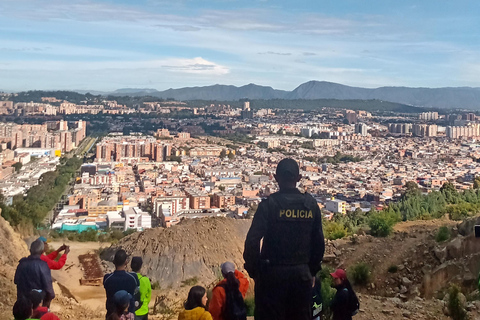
106,45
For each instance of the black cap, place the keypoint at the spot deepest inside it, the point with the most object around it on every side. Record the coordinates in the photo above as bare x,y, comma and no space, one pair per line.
288,168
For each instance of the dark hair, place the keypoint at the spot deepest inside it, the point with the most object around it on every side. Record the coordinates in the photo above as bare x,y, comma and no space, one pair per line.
36,297
232,282
22,309
195,296
120,258
136,264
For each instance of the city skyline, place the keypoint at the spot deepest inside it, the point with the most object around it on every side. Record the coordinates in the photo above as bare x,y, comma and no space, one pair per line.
107,45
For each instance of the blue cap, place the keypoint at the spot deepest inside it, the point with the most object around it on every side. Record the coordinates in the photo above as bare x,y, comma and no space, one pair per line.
43,239
122,298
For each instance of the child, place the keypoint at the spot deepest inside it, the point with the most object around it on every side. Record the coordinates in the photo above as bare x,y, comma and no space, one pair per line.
195,305
121,299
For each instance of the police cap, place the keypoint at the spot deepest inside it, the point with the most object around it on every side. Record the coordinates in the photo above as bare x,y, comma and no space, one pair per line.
288,169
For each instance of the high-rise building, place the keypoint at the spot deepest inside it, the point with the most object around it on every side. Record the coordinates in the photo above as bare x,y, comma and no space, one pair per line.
361,128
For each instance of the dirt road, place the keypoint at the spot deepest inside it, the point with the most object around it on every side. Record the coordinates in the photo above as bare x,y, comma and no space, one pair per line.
69,276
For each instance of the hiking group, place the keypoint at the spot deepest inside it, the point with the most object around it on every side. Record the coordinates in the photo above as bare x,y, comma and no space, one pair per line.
283,253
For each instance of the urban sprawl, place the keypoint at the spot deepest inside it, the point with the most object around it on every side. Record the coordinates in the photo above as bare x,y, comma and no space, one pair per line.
218,160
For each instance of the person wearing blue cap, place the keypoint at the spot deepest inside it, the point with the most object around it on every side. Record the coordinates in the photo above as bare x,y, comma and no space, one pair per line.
121,300
50,258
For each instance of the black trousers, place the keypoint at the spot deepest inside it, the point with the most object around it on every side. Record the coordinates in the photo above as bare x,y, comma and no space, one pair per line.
144,317
283,293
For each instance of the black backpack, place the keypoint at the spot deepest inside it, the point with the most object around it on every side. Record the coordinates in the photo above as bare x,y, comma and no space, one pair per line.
353,303
137,297
235,308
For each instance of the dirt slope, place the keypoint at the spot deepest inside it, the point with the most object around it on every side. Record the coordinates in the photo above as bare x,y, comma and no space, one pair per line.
192,249
12,249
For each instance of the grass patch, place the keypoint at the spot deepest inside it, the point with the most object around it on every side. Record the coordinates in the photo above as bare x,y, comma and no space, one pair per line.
393,268
250,303
190,282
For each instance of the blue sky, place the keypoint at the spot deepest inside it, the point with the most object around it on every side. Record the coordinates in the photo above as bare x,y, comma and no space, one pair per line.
105,45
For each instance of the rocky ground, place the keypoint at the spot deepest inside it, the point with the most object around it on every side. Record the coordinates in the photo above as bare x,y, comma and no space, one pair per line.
405,267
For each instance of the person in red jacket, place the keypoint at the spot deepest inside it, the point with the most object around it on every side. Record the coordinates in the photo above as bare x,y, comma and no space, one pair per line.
50,258
232,277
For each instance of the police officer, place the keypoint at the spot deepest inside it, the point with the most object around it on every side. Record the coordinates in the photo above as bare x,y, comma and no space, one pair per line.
289,222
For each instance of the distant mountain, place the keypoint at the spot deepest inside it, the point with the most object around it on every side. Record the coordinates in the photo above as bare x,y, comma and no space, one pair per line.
135,92
223,92
461,97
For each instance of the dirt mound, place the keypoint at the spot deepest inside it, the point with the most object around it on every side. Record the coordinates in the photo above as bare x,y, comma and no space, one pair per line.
12,249
187,253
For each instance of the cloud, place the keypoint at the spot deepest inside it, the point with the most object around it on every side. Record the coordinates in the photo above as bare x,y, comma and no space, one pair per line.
276,53
309,54
183,28
196,65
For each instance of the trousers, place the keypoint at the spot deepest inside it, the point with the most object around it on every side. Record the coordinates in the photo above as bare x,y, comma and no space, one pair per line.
283,293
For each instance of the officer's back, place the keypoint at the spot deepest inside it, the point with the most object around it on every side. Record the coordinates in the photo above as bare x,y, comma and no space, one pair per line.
289,222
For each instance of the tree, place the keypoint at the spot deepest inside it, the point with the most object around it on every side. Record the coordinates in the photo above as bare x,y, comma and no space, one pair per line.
223,153
476,183
231,156
17,166
411,189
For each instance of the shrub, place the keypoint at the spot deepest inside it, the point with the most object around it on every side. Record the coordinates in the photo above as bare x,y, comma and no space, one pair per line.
393,269
334,230
156,286
327,291
250,303
454,304
360,273
443,234
381,224
190,281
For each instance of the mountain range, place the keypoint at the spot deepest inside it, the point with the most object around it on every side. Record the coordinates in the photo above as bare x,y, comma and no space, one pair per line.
448,97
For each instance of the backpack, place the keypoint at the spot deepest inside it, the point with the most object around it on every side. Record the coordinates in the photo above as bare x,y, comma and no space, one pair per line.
353,303
137,296
235,308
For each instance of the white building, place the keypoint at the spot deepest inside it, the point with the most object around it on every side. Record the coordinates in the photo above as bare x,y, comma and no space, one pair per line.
336,206
136,219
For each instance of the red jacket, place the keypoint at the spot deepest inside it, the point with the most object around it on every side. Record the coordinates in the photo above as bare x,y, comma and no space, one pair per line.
217,303
49,316
50,260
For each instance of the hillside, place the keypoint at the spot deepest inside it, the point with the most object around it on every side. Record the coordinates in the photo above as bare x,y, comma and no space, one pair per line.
12,249
193,249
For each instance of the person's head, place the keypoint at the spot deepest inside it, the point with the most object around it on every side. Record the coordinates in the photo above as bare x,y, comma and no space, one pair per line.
227,267
287,173
37,247
136,264
122,301
36,297
22,309
45,243
339,277
228,272
197,297
120,259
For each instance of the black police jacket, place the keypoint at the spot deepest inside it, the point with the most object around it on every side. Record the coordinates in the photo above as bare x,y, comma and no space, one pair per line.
290,224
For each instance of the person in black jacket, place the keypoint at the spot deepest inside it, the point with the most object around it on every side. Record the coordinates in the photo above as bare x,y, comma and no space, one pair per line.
33,273
118,280
290,224
341,304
